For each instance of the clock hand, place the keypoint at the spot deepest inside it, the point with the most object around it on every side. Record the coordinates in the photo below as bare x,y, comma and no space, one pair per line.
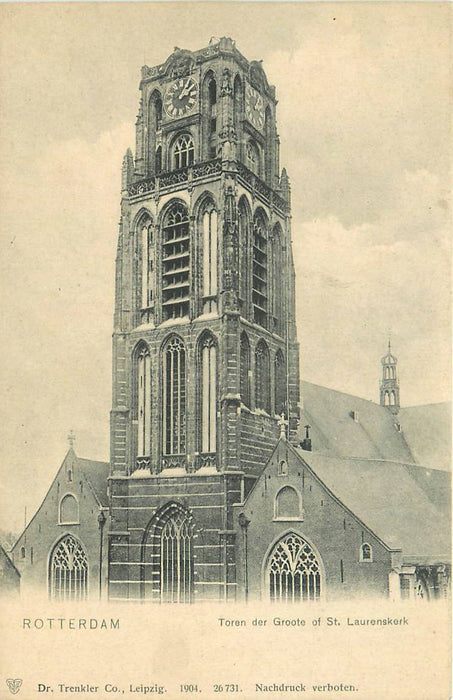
186,89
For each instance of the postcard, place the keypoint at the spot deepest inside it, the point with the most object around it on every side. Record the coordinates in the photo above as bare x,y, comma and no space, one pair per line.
226,418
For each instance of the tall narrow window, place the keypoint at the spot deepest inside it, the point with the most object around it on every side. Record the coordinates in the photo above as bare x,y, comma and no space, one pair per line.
174,404
268,154
68,571
183,151
143,402
262,378
167,571
209,224
293,571
245,370
244,256
175,262
147,263
280,384
208,393
260,271
158,113
154,124
278,275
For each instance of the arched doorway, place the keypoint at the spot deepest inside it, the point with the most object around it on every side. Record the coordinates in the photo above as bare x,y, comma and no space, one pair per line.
167,556
293,571
68,570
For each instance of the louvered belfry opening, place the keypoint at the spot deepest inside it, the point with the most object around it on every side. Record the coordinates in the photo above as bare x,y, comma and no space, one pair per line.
176,263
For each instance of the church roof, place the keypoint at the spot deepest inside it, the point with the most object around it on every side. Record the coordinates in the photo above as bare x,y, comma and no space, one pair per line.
427,429
343,425
403,504
96,474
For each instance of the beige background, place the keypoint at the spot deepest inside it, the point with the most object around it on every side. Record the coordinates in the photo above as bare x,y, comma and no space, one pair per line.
364,118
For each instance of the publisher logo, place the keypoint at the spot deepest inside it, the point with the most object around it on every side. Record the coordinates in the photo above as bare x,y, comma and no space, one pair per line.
14,685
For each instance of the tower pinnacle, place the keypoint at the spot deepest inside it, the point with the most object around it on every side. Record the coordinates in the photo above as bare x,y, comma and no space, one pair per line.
389,392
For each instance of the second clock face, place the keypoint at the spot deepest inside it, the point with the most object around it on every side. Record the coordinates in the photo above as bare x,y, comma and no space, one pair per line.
254,107
181,97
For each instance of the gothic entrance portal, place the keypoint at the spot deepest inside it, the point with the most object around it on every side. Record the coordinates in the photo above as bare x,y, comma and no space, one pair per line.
293,571
167,556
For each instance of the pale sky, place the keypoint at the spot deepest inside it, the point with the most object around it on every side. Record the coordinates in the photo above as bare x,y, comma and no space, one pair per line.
364,121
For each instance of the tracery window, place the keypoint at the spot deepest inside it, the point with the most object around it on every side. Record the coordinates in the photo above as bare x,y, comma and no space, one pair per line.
183,151
167,573
143,401
174,403
260,271
262,377
245,370
280,384
68,571
209,226
278,276
208,393
366,552
175,262
294,571
69,510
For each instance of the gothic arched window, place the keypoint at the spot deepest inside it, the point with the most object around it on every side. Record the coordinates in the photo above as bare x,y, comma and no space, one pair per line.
278,276
262,377
209,116
282,469
183,151
209,233
386,399
260,270
142,400
154,124
69,510
208,393
366,552
174,403
175,262
280,384
245,369
287,504
244,255
294,571
167,571
145,274
268,155
68,570
392,398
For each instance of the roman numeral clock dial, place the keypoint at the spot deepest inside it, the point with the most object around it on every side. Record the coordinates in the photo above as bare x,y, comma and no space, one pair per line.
181,97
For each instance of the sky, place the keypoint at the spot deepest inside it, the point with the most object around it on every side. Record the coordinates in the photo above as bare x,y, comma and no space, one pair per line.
364,121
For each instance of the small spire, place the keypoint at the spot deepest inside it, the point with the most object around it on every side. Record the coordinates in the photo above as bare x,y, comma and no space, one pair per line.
71,438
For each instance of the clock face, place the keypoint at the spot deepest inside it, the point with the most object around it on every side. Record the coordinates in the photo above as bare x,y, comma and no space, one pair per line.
181,97
254,107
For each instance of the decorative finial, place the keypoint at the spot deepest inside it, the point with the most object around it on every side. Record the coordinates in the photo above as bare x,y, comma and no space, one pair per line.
282,422
71,438
307,431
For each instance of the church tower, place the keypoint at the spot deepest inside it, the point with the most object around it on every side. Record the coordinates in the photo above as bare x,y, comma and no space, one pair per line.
205,355
389,391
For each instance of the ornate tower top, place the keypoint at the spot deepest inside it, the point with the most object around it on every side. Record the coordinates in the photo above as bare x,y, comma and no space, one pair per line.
389,386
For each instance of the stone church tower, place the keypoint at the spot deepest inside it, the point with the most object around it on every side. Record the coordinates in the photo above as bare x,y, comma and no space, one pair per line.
205,355
389,390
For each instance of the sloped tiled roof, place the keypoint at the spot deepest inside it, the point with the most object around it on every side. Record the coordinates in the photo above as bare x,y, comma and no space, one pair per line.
427,430
393,500
424,439
96,474
334,431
